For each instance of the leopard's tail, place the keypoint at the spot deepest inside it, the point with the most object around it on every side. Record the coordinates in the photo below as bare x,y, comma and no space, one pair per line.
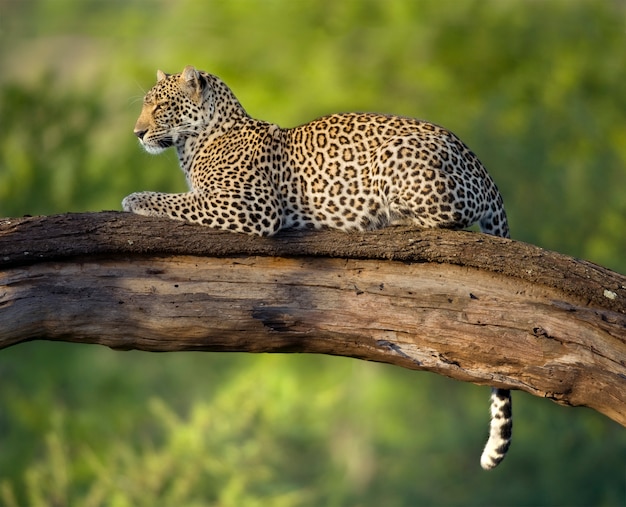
500,429
494,221
501,425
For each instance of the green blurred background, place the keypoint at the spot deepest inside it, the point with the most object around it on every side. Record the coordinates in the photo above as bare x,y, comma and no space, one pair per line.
536,88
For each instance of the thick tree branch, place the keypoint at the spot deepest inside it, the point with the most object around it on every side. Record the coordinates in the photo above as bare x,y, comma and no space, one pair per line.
469,306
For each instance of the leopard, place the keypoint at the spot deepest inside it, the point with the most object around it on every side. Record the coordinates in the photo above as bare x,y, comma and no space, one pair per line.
348,171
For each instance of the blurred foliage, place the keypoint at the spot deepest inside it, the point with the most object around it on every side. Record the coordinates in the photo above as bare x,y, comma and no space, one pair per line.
535,87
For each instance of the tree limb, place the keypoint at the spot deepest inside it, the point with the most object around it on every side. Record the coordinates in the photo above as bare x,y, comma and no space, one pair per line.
469,306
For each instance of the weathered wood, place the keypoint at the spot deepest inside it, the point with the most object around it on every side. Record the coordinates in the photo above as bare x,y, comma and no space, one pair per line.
472,307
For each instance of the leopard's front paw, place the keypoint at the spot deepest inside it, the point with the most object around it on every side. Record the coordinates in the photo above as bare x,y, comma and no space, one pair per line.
142,203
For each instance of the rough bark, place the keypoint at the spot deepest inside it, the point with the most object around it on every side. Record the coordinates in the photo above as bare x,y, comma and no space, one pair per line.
469,306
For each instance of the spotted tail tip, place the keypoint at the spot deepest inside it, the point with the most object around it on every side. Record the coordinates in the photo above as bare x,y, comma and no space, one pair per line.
500,429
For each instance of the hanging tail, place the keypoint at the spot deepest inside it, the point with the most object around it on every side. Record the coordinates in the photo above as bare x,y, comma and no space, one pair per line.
500,429
501,425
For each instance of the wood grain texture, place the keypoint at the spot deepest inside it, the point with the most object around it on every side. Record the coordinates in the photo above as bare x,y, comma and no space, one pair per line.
472,307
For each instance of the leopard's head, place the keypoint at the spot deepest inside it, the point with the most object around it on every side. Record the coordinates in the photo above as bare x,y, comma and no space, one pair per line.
183,105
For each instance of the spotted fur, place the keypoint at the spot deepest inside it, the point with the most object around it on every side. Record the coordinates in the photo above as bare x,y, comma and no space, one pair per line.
352,172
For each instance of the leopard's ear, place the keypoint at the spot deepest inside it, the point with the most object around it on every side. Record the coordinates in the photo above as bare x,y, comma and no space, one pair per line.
161,75
189,72
190,78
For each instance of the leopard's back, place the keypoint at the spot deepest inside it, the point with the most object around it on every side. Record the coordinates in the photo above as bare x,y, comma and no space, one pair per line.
361,171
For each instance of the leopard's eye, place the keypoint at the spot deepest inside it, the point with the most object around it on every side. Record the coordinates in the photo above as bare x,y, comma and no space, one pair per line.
159,105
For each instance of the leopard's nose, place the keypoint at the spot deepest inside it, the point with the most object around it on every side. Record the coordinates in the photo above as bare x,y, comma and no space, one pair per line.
140,133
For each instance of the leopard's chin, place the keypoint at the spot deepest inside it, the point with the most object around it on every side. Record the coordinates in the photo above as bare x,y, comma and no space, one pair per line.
154,148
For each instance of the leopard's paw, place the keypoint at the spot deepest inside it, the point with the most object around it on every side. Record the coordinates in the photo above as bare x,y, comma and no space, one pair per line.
142,203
